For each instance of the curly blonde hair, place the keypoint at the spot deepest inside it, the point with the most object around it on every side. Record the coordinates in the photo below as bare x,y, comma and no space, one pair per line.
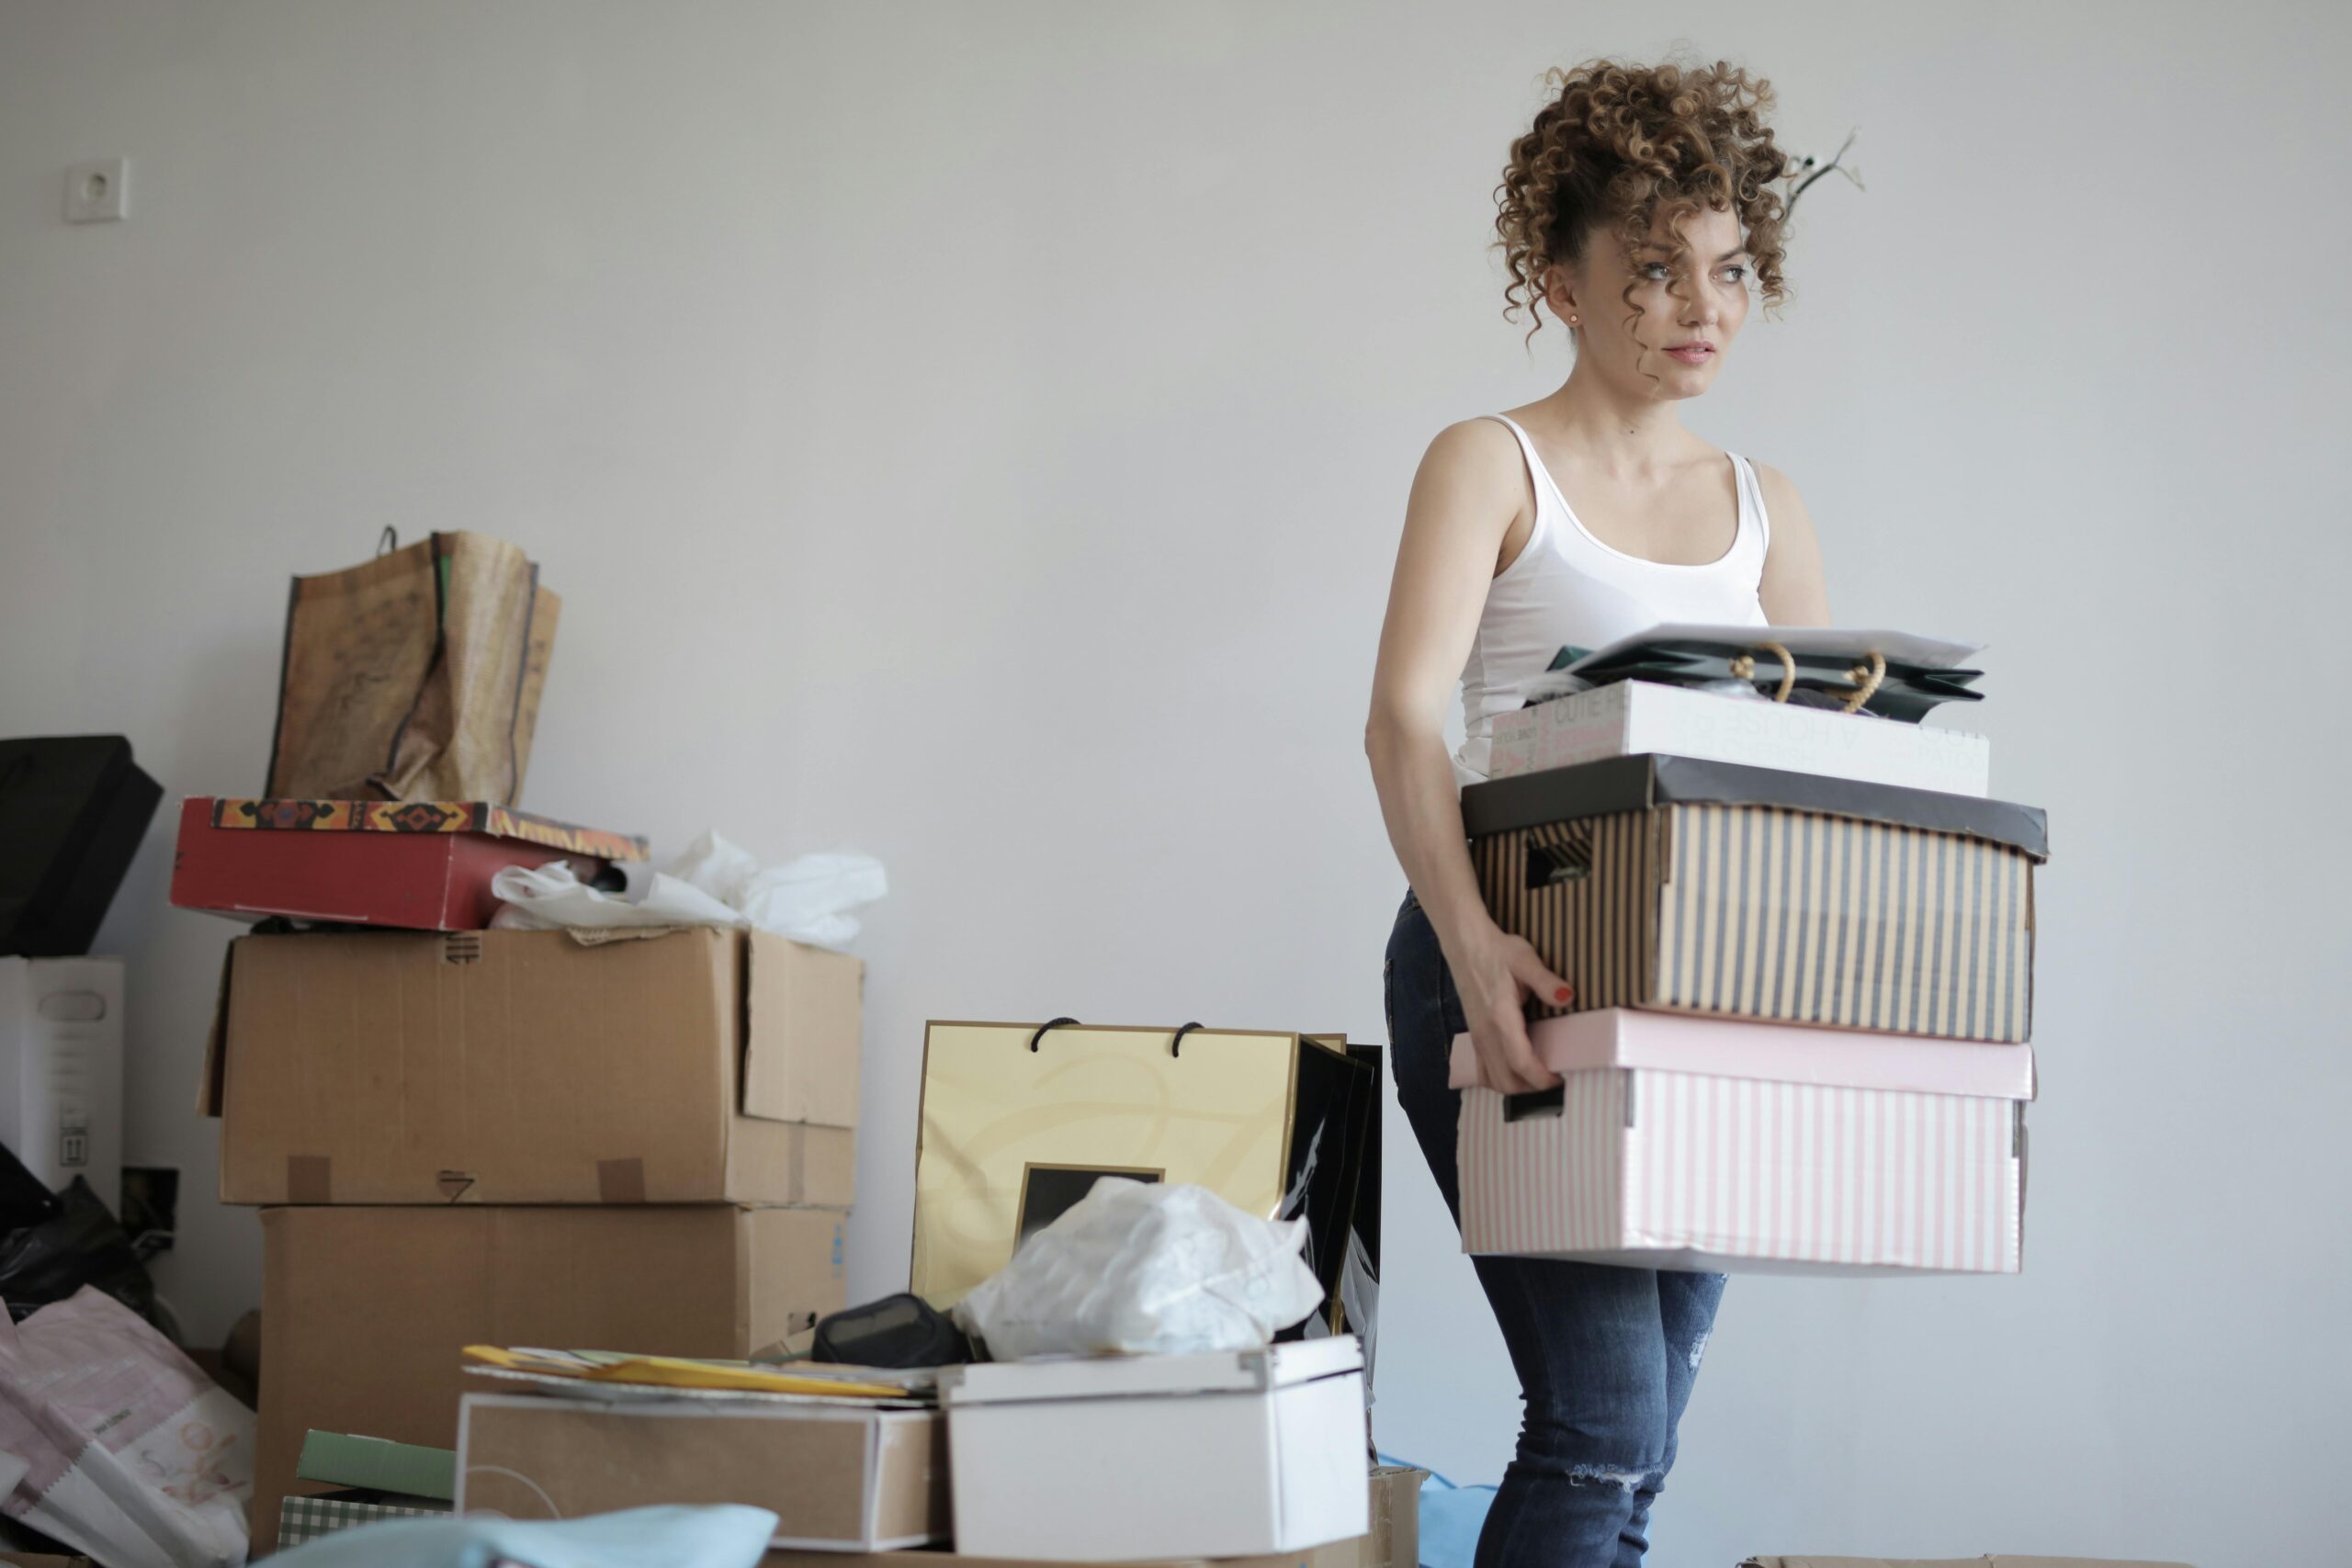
1617,143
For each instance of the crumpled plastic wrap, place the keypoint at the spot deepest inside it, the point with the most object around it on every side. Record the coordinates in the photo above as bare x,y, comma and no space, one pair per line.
1141,1268
712,883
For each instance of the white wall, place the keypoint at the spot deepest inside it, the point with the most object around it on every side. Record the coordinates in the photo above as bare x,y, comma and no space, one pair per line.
978,434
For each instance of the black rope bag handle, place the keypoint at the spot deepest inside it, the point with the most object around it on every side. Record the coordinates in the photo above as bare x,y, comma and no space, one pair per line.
1052,1023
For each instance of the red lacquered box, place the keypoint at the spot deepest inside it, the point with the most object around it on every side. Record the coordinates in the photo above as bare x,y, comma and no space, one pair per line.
417,864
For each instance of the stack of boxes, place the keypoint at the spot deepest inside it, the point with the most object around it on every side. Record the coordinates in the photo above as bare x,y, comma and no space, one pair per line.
1799,1037
520,1138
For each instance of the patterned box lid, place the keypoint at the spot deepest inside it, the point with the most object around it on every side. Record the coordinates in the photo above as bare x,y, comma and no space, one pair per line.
426,817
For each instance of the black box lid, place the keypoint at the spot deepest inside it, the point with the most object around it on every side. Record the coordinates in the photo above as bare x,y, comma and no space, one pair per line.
1653,778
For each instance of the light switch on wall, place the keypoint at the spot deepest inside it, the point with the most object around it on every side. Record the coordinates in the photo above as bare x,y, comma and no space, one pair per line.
96,192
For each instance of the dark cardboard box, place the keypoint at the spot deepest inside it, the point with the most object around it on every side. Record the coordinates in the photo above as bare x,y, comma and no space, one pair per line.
696,1065
1707,887
366,1311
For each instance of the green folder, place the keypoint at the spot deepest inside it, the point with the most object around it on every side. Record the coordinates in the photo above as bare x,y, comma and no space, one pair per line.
378,1465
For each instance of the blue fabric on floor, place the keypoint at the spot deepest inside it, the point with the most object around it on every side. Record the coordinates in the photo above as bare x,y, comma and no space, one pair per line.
725,1536
1451,1518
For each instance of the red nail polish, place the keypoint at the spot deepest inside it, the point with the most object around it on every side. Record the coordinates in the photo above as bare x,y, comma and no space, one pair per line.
1563,994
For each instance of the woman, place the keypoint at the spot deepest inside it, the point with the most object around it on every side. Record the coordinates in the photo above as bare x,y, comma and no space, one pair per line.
1638,209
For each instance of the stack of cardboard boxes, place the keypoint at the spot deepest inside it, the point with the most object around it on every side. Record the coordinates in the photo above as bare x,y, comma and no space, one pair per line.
518,1138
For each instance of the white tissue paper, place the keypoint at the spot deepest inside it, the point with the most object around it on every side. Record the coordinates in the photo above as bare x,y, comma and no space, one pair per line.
712,883
1140,1267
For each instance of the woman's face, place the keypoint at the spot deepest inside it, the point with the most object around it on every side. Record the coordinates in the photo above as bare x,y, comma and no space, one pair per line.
1672,349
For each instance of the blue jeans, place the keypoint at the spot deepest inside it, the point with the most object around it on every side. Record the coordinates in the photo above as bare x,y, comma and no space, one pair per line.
1605,1355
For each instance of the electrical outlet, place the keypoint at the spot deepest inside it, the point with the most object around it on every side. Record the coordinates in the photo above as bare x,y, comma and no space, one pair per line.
97,192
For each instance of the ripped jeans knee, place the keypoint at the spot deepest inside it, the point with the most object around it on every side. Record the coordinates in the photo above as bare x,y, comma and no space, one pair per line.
1622,1455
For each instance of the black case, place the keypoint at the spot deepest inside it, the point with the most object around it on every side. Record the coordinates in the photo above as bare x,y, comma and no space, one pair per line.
73,811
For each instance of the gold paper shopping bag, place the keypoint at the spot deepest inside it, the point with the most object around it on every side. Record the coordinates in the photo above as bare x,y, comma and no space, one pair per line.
1019,1120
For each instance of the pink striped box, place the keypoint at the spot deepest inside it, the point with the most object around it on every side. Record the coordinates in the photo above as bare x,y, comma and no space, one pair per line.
1689,1143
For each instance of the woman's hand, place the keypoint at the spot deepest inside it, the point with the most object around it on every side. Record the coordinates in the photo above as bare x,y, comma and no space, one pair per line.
1495,973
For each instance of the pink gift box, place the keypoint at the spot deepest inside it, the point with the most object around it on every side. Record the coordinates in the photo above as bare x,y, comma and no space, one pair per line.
1685,1142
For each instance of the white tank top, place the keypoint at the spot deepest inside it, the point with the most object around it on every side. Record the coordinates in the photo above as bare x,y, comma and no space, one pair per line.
1566,587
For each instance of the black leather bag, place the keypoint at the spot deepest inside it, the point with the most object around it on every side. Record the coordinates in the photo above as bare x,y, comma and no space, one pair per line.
897,1331
1859,677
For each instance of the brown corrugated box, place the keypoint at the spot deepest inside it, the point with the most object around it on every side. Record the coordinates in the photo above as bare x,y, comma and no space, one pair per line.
366,1311
839,1479
696,1065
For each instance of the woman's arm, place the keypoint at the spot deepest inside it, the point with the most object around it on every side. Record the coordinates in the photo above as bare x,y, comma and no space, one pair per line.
1791,591
1471,487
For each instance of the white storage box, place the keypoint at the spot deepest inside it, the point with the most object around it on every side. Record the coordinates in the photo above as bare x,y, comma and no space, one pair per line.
1627,717
1233,1453
1686,1143
61,1070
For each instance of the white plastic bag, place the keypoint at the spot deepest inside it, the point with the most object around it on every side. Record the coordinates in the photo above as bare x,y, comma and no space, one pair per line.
809,899
115,1444
1140,1267
712,883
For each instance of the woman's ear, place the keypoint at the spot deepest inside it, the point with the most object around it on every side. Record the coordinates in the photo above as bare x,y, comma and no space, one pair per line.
1559,293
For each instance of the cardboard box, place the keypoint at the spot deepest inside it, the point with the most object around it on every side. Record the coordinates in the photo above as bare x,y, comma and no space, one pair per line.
1395,1539
366,1311
526,1067
1628,717
1696,886
838,1477
61,1070
1011,1135
1227,1454
415,864
1683,1143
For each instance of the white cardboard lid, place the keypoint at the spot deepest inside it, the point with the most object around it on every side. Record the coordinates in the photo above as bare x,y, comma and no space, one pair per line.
1127,1377
1745,1048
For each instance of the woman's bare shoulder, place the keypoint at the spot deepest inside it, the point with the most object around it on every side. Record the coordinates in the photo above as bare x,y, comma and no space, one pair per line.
1480,443
1781,501
1475,460
1472,481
